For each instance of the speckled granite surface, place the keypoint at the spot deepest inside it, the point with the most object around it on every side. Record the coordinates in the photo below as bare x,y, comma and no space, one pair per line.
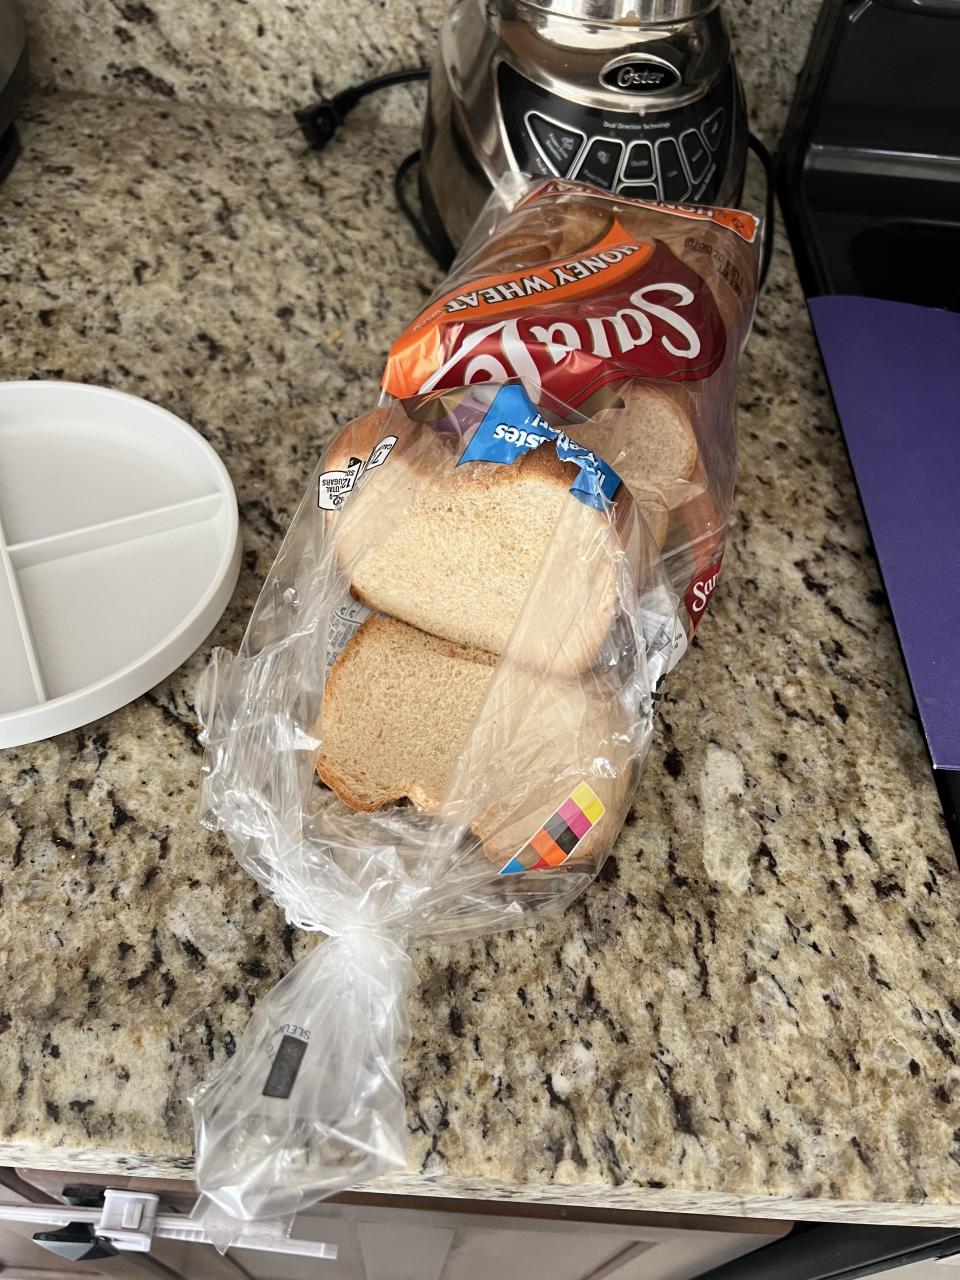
756,1010
278,54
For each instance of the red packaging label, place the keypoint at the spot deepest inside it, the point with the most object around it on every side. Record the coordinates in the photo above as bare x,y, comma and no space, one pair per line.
622,308
698,593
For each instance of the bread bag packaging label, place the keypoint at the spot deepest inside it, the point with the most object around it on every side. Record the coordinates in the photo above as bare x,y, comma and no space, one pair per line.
558,838
345,621
333,486
513,427
622,308
698,593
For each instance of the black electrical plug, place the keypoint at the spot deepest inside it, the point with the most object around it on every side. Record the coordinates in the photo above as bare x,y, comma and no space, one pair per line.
319,122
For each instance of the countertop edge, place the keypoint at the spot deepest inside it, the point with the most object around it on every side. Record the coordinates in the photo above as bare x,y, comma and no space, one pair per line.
582,1197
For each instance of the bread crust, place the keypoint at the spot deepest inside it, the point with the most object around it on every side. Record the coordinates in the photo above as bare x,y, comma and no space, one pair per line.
326,770
358,438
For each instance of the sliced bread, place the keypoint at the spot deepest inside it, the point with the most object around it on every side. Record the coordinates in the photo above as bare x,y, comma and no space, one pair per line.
650,443
397,706
456,550
398,712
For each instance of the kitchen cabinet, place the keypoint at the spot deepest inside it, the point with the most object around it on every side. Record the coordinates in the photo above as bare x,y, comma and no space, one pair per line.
418,1244
379,1240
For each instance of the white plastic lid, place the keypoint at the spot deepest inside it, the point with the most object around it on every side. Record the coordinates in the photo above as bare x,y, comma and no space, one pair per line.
119,550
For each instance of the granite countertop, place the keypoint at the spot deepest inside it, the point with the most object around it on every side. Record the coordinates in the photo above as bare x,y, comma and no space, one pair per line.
755,1011
280,54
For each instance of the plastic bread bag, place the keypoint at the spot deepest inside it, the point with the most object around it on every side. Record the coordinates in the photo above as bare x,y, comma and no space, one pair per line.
487,577
460,635
635,315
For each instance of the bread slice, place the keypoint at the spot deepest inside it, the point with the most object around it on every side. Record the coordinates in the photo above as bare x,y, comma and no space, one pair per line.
650,444
455,550
407,715
397,706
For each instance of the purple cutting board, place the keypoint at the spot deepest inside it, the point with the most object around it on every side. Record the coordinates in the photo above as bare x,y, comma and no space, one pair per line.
894,370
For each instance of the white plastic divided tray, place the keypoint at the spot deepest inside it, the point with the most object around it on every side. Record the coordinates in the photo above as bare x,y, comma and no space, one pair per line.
119,550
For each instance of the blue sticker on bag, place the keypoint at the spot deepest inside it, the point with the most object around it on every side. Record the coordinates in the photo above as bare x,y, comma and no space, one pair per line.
512,427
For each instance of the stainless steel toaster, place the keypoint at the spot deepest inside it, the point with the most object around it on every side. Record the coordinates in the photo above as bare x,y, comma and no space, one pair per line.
636,96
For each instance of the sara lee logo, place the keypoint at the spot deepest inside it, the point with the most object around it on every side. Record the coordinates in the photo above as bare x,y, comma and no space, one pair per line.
698,593
649,316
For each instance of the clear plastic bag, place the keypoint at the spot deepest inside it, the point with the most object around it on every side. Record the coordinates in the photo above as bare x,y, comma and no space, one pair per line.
461,633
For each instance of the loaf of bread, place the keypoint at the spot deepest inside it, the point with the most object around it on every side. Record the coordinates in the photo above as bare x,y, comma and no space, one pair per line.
398,711
465,563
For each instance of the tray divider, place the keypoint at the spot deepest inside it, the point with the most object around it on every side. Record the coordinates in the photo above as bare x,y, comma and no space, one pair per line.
23,619
109,533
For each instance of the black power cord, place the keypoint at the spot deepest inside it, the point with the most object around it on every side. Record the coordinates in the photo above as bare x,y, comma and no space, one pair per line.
410,213
319,122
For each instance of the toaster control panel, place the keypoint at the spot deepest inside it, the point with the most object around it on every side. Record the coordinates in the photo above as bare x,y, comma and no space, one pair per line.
676,155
